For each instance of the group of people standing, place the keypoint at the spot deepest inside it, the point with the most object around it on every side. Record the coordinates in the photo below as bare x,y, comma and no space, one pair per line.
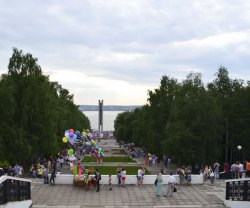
171,185
43,168
121,176
236,170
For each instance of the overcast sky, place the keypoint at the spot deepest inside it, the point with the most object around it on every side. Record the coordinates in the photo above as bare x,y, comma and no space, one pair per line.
117,50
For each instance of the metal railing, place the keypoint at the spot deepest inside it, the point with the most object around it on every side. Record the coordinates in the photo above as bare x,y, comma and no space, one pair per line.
238,189
14,189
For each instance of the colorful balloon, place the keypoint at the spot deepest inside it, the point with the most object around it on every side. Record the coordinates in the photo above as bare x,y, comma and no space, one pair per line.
64,139
71,130
71,151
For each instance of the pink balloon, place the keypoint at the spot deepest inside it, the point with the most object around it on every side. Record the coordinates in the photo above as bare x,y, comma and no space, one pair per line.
71,130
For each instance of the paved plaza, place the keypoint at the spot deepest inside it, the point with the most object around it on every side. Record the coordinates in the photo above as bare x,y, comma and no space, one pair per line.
68,196
206,195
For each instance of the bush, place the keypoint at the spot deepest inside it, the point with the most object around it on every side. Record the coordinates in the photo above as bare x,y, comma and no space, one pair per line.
4,164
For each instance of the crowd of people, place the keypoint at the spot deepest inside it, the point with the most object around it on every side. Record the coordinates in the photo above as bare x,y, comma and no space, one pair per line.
15,171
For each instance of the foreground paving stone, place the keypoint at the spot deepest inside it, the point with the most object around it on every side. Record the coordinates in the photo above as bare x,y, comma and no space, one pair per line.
68,196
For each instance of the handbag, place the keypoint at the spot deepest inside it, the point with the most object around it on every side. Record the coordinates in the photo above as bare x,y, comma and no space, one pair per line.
156,181
175,189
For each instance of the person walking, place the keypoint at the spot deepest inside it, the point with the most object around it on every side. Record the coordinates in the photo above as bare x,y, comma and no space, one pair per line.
247,168
97,179
52,177
110,183
216,170
139,176
226,170
45,176
158,185
171,185
123,177
181,174
118,172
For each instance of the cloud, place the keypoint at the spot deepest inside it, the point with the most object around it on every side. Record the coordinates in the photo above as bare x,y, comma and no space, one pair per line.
88,89
130,44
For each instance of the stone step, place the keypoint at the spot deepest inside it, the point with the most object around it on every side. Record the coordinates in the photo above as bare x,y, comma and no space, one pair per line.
132,206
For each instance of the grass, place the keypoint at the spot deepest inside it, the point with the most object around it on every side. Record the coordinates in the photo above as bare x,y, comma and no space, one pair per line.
111,170
110,159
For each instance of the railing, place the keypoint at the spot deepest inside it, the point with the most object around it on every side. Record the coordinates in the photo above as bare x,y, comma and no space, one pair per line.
238,189
14,189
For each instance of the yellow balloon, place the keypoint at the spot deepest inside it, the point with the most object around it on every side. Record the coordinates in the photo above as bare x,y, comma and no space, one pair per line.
64,139
92,142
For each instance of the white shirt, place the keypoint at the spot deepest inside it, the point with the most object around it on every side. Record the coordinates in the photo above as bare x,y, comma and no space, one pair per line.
171,180
139,173
241,167
123,173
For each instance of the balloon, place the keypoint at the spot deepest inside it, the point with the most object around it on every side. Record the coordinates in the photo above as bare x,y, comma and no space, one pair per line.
90,135
66,135
74,136
71,151
71,130
71,134
72,157
92,142
88,143
64,139
72,142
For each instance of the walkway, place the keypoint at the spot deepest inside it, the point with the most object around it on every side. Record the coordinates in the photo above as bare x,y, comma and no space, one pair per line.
68,196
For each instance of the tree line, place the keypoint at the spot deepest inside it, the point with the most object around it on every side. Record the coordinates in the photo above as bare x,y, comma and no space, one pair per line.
34,112
190,121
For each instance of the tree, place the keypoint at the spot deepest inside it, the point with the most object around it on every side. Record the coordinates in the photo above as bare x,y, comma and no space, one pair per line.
34,111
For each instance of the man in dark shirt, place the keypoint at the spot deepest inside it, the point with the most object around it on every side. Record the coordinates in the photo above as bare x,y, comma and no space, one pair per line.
226,170
97,178
118,172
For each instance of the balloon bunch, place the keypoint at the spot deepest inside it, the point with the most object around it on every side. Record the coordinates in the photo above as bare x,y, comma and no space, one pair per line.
94,150
85,140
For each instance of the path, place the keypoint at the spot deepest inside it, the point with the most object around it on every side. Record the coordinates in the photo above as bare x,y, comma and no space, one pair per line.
131,196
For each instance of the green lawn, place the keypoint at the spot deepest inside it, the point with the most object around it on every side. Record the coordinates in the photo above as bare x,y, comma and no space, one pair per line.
111,170
110,159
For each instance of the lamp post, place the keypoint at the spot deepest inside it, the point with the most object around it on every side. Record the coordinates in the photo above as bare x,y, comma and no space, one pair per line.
239,147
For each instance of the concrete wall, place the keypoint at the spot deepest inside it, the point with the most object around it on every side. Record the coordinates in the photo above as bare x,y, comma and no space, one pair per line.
130,179
237,204
18,204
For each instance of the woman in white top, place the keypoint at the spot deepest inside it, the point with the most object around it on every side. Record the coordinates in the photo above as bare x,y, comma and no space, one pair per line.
123,174
139,176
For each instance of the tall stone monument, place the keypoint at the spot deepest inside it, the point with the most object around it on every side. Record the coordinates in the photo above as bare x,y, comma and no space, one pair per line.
100,118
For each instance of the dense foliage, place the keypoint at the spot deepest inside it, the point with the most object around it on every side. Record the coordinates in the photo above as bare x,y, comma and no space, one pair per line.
34,112
190,122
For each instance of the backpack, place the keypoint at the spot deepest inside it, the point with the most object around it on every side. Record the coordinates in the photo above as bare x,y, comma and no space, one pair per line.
156,181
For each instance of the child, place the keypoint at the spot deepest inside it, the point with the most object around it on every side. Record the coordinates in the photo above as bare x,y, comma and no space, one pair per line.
110,187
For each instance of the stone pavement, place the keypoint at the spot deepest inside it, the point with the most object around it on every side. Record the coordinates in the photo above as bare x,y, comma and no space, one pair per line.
68,196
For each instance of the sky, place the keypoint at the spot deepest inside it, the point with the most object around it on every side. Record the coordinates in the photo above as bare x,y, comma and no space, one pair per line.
117,50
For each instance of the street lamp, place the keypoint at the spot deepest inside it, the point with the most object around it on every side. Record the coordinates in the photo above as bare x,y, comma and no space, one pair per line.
239,147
